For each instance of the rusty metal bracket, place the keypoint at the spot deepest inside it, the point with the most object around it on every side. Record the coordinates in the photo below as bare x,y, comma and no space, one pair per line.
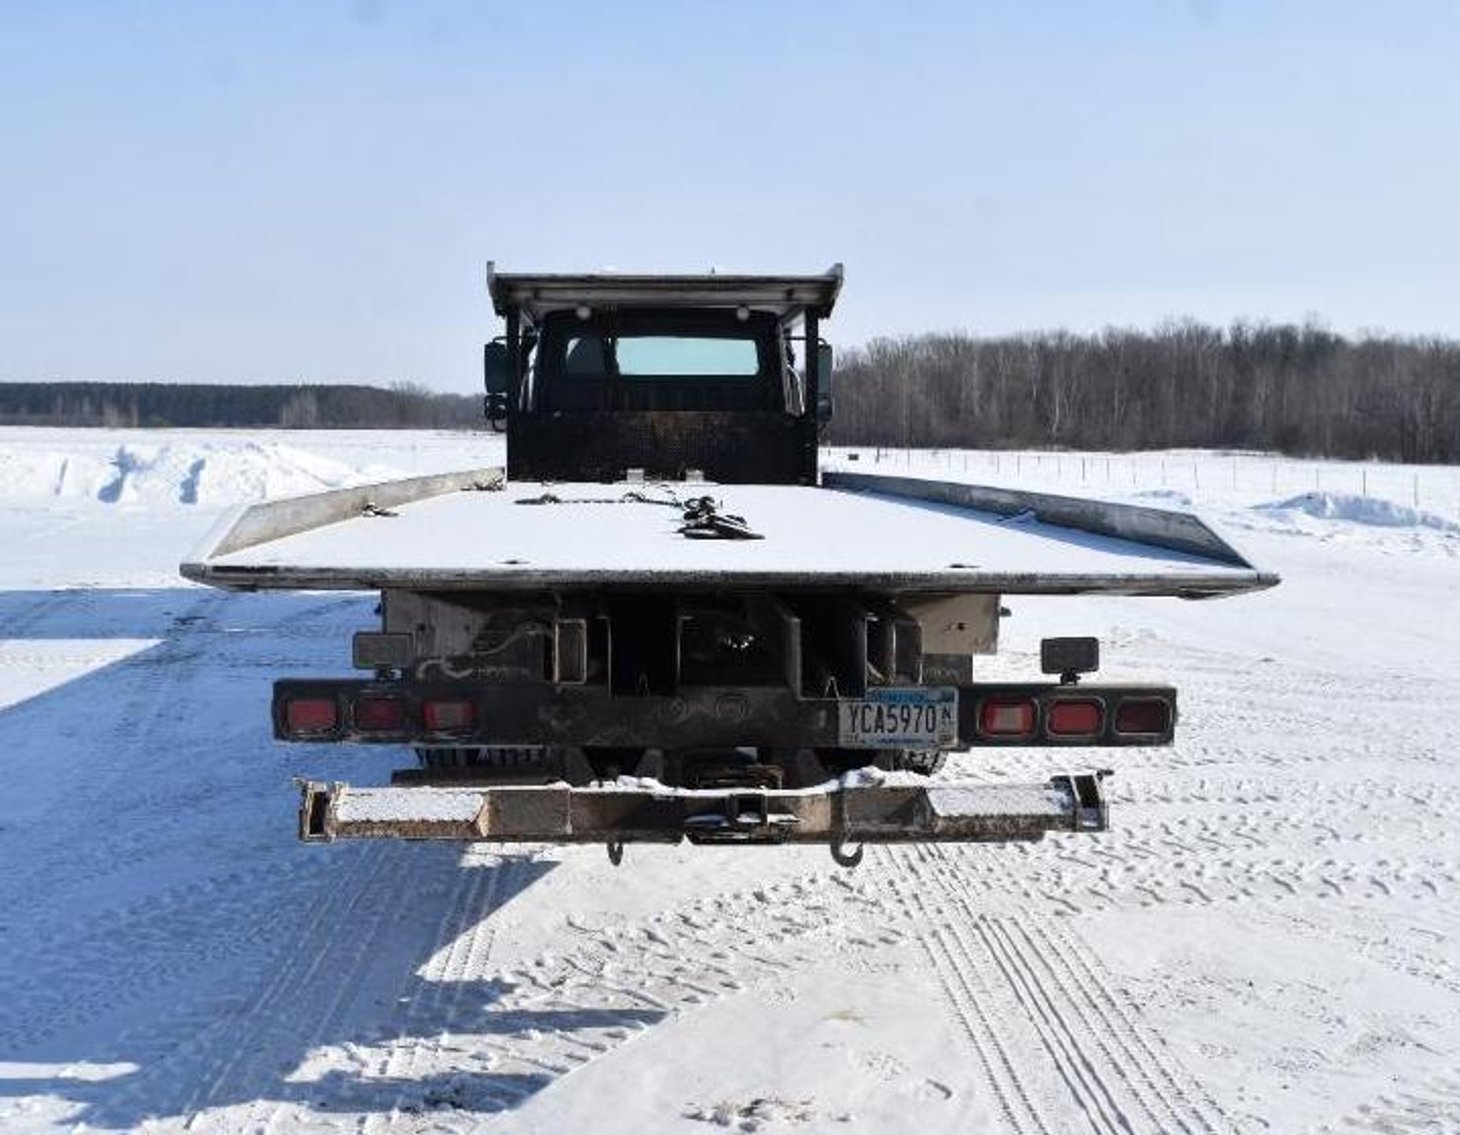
837,814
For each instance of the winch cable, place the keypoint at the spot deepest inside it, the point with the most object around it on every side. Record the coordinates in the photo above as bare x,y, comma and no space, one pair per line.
702,516
703,520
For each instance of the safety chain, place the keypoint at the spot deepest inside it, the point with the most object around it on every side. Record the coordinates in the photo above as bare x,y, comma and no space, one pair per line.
702,517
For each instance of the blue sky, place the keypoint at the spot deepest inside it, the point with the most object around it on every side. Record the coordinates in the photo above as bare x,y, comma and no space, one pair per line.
285,191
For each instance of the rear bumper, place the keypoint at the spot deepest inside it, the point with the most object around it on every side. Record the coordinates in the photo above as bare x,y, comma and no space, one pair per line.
843,812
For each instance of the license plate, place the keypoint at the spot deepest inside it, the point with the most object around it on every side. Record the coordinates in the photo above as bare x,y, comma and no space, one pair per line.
901,719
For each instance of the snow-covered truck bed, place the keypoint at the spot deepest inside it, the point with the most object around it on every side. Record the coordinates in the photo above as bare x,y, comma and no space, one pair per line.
868,533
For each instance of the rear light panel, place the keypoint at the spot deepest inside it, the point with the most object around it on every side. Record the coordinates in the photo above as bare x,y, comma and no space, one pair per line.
1023,714
1067,714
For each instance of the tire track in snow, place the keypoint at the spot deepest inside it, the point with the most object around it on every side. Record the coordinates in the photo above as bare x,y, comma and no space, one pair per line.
1089,1090
969,996
147,689
119,802
235,1056
1127,1074
333,985
1190,1106
65,971
460,949
1116,1073
565,1009
1086,885
302,1001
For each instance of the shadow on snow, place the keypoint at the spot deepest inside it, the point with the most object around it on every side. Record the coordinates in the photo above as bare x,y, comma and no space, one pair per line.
156,912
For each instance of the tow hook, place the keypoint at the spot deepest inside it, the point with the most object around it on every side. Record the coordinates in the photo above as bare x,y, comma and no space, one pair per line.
845,858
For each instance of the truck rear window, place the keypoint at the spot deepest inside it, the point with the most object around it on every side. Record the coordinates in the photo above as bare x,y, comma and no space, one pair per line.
686,356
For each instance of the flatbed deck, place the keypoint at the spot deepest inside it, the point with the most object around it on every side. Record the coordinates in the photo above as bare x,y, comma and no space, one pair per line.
861,533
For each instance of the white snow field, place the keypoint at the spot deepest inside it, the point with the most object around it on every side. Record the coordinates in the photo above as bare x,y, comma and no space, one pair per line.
1267,940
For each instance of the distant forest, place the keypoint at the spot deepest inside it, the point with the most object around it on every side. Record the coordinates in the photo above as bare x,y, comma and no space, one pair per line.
199,406
1301,390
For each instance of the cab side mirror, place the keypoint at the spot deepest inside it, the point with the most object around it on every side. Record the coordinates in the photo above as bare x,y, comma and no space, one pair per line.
497,368
497,377
824,364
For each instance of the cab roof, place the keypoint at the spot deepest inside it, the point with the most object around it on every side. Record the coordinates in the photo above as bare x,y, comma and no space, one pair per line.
788,297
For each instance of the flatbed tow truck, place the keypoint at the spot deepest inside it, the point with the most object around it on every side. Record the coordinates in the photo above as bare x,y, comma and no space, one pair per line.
662,621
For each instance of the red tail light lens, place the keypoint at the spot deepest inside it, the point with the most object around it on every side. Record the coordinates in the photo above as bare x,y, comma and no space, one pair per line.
1143,715
449,716
304,716
1076,717
376,714
1007,717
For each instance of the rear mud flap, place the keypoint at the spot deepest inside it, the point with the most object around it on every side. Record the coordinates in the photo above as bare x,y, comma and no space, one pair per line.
839,814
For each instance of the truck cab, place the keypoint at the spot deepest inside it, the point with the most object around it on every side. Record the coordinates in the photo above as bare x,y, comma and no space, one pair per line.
723,378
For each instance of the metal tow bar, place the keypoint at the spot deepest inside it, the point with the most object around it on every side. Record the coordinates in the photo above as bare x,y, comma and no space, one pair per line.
840,815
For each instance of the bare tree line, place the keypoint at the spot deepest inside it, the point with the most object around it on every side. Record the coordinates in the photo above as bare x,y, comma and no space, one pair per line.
1301,390
200,406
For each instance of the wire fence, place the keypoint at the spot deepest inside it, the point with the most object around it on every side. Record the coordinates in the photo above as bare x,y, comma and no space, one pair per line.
1434,488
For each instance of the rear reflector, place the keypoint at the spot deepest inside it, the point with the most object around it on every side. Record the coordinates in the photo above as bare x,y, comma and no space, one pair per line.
1005,717
311,715
1143,715
450,716
380,714
1076,717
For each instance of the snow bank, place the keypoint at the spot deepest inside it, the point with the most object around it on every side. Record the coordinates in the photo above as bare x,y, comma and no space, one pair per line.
1359,509
184,473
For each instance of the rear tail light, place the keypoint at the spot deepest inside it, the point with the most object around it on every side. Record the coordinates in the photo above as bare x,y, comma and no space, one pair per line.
1007,717
306,716
1143,716
450,715
1076,717
377,714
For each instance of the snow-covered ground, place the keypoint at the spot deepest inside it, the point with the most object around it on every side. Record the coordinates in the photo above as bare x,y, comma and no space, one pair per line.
1269,939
